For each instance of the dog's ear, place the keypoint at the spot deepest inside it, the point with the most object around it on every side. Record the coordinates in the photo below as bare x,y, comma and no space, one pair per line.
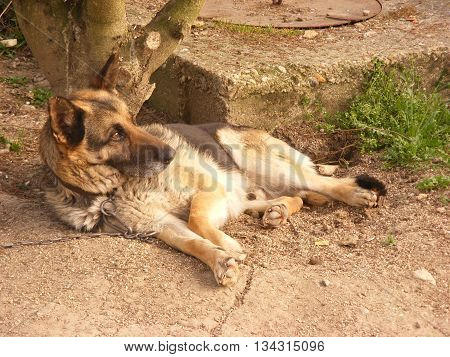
66,121
107,77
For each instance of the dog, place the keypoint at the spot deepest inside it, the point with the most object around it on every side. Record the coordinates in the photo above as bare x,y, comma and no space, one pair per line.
182,182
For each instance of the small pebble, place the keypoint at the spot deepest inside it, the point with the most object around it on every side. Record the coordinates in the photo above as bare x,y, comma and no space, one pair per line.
282,69
441,209
313,82
322,243
370,33
315,261
421,196
9,43
327,170
310,34
325,282
350,242
417,324
423,274
366,12
342,214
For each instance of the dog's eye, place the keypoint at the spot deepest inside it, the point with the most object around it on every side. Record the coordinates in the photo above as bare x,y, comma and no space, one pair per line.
118,134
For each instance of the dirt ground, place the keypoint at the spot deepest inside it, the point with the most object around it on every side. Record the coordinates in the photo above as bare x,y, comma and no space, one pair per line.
362,284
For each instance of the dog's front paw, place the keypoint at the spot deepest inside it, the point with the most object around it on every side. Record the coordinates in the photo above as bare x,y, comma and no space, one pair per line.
232,247
275,216
226,270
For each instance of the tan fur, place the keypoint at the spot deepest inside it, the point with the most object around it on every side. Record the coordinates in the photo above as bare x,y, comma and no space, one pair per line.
185,198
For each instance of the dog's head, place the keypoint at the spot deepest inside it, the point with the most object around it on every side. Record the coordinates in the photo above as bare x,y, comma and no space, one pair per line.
93,129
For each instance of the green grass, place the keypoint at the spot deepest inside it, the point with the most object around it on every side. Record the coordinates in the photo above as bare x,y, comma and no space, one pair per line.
14,146
9,28
390,241
41,96
15,81
257,30
396,115
434,183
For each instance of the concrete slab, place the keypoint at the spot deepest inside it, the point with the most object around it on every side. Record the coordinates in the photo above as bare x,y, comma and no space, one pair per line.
265,78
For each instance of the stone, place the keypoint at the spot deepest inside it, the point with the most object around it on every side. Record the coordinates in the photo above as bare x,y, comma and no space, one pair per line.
322,243
310,34
315,261
9,43
282,69
421,196
424,275
366,12
320,78
349,242
327,170
365,310
370,33
441,209
313,82
198,23
325,282
342,214
28,107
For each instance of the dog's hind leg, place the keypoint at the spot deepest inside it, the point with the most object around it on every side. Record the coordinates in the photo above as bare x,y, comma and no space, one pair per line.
362,190
276,211
281,170
176,234
209,210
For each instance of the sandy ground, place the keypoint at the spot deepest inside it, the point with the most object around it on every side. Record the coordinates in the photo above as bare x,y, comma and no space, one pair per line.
110,286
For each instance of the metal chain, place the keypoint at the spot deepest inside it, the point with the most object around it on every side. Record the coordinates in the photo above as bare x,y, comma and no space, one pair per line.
143,237
108,210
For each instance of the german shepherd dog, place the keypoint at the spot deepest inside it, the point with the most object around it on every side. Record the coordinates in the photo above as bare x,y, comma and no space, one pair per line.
183,182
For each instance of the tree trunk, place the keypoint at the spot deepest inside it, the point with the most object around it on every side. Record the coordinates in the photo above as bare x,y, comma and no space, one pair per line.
72,39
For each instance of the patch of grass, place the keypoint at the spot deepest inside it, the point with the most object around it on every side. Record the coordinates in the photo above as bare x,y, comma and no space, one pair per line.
9,28
390,241
257,30
15,81
41,96
434,183
14,146
8,52
395,114
443,83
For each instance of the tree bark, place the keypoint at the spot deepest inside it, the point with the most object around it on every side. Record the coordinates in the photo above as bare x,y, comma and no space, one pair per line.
72,39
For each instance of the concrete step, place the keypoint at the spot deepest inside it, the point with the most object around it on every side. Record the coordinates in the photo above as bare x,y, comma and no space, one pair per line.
266,77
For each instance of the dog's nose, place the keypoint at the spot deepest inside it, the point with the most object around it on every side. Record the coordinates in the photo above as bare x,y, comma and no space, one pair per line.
167,155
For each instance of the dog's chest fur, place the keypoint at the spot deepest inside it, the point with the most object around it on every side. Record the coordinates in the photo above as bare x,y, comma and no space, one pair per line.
143,203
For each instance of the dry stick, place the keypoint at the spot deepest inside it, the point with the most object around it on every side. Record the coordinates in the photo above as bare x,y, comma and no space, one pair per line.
6,9
341,151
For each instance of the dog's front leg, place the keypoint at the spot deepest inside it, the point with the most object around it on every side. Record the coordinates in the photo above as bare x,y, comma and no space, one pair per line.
209,210
176,233
276,211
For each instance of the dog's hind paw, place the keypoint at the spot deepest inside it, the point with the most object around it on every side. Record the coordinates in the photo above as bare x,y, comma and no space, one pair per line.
372,184
275,216
367,192
226,271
